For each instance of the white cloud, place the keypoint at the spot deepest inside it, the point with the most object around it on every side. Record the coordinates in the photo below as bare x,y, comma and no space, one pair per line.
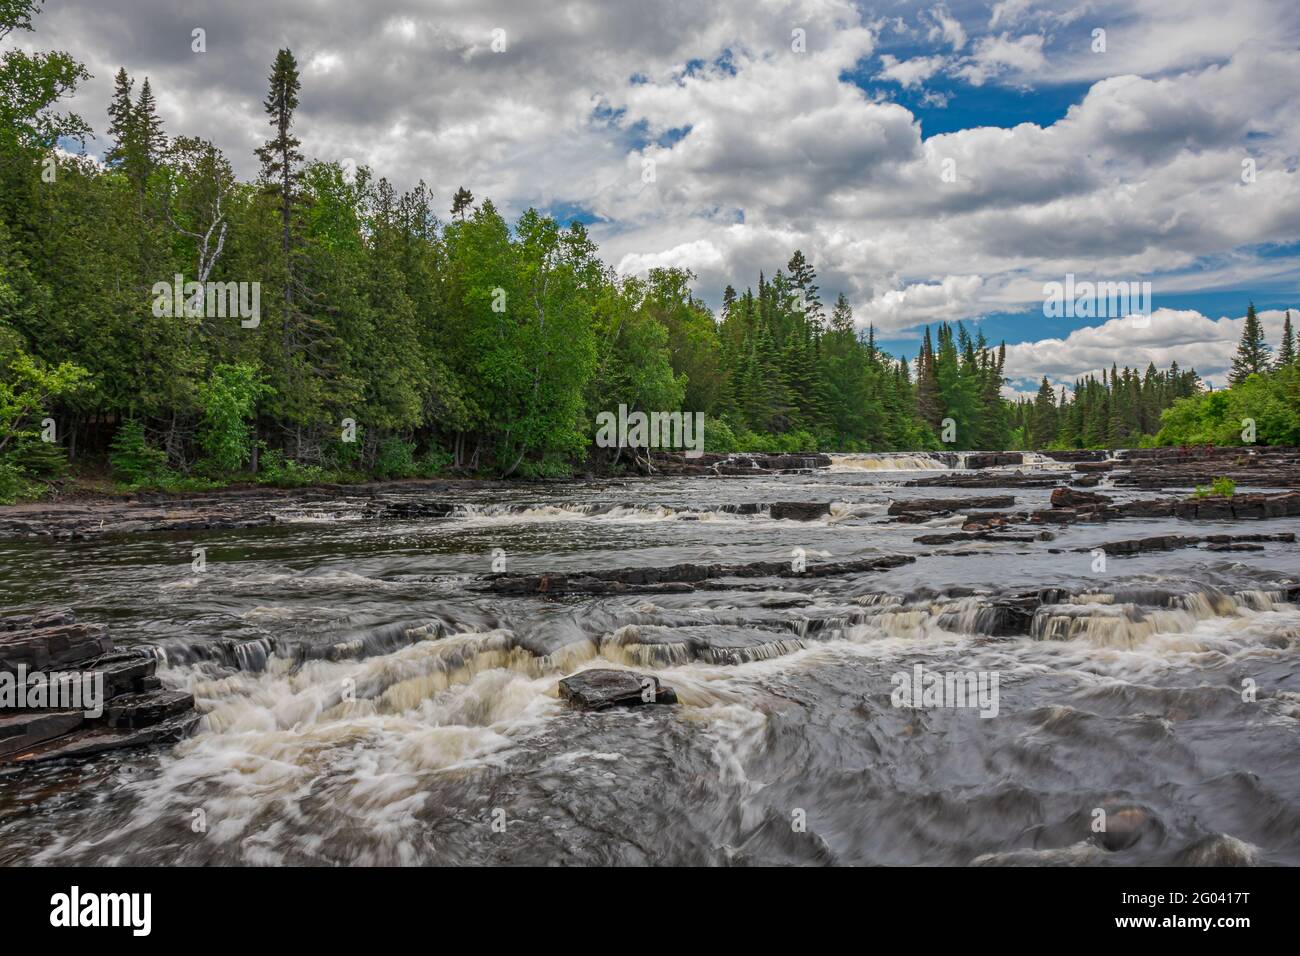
1186,337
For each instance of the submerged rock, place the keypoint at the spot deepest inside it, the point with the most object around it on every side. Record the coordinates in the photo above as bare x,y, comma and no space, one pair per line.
600,688
799,510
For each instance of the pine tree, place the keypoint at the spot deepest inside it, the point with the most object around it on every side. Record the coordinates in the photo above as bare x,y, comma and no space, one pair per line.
121,126
460,202
1286,355
928,406
1044,428
801,277
1252,352
280,156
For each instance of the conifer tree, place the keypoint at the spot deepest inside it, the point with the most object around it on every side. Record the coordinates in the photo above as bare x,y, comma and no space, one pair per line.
1252,351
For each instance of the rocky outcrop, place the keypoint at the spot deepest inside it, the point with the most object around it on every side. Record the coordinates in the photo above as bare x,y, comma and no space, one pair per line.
993,459
946,506
1261,466
1010,479
119,701
602,688
799,510
1069,498
1170,542
678,577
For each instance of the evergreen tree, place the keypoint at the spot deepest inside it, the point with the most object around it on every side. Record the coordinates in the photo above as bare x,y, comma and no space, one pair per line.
1286,355
1252,351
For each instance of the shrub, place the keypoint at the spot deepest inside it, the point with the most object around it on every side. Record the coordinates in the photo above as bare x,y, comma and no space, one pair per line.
275,469
134,462
395,459
228,399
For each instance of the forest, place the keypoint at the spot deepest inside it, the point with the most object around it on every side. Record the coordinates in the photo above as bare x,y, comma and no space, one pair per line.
418,332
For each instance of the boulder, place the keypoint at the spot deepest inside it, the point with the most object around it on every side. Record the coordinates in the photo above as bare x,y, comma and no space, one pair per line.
601,688
1069,498
799,510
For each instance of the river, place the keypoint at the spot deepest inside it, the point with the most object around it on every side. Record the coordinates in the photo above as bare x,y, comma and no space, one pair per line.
365,703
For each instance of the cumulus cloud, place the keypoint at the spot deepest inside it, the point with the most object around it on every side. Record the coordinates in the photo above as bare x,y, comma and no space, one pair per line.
1167,335
760,146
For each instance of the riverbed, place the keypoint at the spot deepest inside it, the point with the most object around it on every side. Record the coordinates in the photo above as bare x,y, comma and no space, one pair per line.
366,701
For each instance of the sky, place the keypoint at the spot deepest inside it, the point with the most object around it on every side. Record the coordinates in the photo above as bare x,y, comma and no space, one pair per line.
935,161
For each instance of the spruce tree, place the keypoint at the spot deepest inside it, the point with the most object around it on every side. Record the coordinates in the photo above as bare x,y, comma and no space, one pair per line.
1252,352
1286,354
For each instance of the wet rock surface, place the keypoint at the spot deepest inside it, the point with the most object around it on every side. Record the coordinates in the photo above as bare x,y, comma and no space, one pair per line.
679,577
799,510
601,688
47,652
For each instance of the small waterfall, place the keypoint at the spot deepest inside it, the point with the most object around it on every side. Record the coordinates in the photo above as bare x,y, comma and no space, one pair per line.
896,461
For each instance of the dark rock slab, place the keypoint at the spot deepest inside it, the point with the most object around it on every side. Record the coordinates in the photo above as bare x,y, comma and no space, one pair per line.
678,577
994,459
601,688
145,710
53,617
1069,498
52,647
103,739
799,510
937,506
24,730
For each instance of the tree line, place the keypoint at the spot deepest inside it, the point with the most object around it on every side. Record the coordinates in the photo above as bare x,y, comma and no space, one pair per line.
392,341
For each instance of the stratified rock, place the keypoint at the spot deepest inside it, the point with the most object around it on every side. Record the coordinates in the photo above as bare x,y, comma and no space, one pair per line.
677,577
1094,466
55,652
52,647
938,506
144,710
1069,498
994,459
24,730
599,688
799,510
98,740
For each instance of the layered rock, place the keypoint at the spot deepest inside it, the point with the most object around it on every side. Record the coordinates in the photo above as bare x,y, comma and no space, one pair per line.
42,655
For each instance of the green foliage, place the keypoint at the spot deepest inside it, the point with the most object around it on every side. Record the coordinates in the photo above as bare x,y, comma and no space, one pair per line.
135,463
228,399
491,346
395,459
275,469
1271,401
1220,488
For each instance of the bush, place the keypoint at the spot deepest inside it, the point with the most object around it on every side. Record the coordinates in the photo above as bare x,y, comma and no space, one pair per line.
395,459
13,484
134,462
1221,488
434,462
275,469
228,399
718,436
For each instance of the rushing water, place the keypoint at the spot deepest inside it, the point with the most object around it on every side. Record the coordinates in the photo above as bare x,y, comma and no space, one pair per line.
365,704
